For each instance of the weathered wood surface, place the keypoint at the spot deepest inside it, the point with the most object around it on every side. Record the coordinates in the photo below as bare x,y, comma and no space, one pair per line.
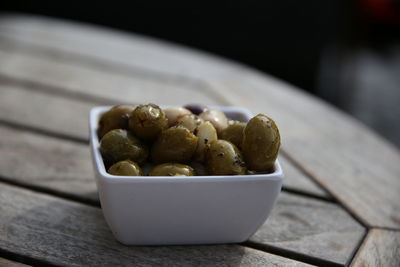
63,167
82,80
380,248
69,172
8,263
337,151
50,64
69,118
311,227
133,52
46,112
67,233
53,164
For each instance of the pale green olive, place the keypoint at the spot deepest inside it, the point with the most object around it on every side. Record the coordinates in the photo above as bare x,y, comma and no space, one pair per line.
115,118
119,144
147,121
172,169
176,144
224,158
125,168
233,133
261,142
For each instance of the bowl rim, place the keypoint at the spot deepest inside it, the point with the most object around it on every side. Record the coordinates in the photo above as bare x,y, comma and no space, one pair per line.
97,111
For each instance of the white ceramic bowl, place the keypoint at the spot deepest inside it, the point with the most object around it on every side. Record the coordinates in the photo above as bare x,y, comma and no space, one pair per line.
151,210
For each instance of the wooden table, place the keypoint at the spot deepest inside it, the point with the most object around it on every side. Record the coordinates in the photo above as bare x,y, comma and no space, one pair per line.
340,203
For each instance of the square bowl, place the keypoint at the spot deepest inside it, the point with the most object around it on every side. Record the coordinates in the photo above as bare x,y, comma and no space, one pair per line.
167,210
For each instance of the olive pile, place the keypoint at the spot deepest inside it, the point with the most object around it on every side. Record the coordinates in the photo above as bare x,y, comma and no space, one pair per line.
185,141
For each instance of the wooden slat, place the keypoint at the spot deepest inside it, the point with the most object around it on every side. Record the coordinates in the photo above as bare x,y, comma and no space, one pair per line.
356,166
315,228
380,248
46,112
9,263
296,180
56,165
66,233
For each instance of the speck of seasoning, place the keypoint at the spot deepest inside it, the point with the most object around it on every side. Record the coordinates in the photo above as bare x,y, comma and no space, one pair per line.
239,161
220,154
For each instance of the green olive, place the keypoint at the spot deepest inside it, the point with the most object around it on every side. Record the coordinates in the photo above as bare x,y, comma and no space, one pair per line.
172,169
233,133
115,118
125,168
147,121
261,142
176,144
119,144
224,158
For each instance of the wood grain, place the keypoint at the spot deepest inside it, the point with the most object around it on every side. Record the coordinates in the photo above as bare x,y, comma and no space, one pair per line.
9,263
297,181
380,248
66,233
351,162
61,75
315,228
53,164
43,111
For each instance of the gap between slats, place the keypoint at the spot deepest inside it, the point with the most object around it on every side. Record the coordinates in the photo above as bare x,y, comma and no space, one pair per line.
334,199
24,259
291,254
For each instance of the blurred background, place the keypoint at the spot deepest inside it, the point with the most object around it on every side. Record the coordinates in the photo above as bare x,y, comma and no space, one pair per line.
346,52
